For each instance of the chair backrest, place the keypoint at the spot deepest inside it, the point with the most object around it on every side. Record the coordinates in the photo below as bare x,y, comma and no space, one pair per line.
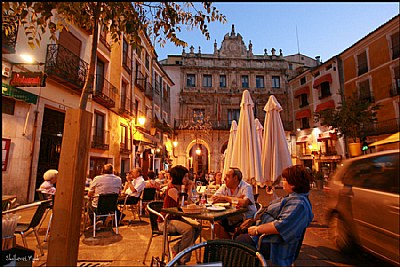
107,203
229,252
40,211
149,194
259,208
154,208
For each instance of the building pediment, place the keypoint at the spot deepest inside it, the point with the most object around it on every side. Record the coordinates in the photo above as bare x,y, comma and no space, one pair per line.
233,45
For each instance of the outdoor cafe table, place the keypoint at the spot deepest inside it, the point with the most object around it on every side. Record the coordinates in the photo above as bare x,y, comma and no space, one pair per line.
207,215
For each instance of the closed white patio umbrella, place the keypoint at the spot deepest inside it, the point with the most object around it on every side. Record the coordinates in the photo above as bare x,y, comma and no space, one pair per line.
246,154
275,155
228,151
260,133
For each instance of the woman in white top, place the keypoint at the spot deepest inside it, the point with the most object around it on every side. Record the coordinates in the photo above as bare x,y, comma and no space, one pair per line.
50,178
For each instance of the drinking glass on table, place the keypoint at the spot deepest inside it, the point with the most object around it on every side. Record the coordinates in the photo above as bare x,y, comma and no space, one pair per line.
235,201
210,199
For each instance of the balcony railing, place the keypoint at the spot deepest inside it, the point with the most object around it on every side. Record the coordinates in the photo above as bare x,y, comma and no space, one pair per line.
100,139
105,93
9,41
148,90
127,107
126,147
140,80
382,127
65,67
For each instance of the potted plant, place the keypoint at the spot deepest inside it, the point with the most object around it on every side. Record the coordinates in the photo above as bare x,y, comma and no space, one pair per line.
350,119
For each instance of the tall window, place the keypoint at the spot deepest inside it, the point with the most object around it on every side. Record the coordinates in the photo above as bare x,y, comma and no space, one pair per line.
125,54
303,100
365,92
207,80
99,75
245,81
395,45
276,82
233,114
98,135
222,81
325,90
260,81
124,101
305,123
191,80
124,143
147,61
362,63
302,80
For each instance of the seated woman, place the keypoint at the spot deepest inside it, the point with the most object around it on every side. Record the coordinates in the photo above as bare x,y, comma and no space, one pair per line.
189,229
286,219
217,182
151,182
50,178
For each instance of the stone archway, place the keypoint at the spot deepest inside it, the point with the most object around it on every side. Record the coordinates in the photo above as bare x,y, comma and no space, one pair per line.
198,162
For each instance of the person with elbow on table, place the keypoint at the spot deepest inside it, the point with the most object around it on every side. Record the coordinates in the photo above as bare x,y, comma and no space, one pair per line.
234,187
189,229
286,219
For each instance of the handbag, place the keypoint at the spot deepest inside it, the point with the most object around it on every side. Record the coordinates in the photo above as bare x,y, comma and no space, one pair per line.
244,226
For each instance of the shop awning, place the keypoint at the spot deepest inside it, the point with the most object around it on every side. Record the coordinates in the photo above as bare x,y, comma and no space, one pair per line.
302,90
391,139
324,78
306,113
325,105
18,94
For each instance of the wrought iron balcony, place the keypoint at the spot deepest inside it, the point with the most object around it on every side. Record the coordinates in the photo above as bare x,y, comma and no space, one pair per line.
127,107
140,80
105,93
126,63
100,139
157,87
65,67
126,146
148,90
9,41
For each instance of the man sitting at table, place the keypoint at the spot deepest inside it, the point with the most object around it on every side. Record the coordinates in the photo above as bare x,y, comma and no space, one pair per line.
234,187
134,186
105,183
189,229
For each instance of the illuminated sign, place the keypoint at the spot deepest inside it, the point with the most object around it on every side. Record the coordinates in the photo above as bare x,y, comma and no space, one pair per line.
28,79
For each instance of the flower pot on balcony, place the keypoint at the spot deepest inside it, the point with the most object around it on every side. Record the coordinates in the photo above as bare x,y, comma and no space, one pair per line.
355,149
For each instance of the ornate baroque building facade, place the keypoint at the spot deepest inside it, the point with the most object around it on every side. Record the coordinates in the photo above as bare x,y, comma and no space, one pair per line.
208,90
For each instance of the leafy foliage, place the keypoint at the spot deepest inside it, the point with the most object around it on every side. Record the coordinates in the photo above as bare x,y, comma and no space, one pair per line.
161,20
350,118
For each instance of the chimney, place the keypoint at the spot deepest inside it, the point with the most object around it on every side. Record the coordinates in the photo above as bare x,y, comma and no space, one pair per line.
318,58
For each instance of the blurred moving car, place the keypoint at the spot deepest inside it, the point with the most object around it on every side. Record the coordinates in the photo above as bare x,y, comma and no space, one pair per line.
364,205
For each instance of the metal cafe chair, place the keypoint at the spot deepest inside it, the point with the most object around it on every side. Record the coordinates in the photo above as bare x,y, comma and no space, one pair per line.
225,252
44,196
148,195
134,208
25,229
154,208
106,206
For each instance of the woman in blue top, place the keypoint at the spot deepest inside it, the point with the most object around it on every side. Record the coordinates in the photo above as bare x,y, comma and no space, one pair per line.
286,219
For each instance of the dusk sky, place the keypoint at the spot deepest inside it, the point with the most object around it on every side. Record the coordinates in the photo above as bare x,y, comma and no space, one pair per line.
323,29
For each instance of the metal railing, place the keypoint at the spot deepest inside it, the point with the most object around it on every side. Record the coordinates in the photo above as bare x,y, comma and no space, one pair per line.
105,93
140,80
66,67
127,107
126,147
148,90
100,139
